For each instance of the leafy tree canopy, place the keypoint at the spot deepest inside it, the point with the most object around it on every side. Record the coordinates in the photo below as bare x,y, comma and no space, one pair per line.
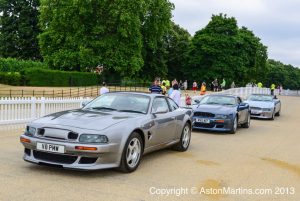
19,29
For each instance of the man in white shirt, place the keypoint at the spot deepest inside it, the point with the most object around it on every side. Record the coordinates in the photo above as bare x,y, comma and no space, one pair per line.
175,95
104,89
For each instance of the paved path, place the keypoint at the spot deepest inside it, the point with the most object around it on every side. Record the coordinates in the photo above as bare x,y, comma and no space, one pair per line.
266,156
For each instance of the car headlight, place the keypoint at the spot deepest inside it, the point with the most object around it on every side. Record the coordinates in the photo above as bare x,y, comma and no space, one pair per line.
30,131
221,116
267,109
93,138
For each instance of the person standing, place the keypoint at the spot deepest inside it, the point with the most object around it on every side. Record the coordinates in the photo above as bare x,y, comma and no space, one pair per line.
155,88
203,88
164,88
259,85
272,88
176,94
215,85
232,85
103,89
280,89
195,86
185,84
223,84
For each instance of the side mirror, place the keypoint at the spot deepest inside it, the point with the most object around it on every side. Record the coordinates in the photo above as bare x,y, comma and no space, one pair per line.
275,97
197,101
160,110
243,104
84,103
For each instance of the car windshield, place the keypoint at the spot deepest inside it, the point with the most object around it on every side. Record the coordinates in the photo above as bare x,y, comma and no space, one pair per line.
260,98
218,100
122,102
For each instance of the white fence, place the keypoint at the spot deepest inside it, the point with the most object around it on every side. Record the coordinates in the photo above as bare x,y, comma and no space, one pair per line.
22,110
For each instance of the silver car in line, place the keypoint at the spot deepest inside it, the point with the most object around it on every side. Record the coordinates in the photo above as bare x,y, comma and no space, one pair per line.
113,130
264,106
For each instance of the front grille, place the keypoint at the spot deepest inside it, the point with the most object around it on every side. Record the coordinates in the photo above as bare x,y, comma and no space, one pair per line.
56,158
202,125
255,108
203,114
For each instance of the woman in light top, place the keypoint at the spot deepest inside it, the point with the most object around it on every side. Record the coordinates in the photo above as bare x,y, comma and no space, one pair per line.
176,94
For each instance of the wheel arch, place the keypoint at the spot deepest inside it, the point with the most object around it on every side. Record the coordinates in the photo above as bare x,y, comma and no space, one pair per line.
141,133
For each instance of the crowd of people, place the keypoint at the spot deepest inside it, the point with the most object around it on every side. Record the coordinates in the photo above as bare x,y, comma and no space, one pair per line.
174,89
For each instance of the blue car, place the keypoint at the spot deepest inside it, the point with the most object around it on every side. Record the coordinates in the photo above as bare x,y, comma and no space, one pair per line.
221,113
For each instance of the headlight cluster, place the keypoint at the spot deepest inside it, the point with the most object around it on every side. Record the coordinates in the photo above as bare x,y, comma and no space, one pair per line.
221,116
93,138
267,109
30,131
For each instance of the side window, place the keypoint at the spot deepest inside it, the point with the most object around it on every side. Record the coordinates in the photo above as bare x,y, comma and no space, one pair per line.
159,103
173,105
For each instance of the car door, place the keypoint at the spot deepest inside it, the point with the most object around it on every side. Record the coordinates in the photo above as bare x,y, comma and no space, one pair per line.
179,117
242,110
164,122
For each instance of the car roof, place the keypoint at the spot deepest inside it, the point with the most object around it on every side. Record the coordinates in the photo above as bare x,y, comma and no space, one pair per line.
228,95
262,95
138,93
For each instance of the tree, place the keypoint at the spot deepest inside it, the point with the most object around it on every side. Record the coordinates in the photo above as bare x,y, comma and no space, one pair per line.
222,50
82,34
156,23
177,42
19,29
281,74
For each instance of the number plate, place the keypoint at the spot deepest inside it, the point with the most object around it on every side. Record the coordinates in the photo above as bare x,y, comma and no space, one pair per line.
202,120
255,111
50,147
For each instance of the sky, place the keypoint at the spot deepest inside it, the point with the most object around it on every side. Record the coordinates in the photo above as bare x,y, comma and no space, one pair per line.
275,22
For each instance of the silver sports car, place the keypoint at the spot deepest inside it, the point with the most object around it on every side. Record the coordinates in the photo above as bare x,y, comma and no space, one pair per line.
264,106
113,130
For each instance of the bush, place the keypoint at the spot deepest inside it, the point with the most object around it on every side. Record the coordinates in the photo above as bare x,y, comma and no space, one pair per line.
43,77
10,78
15,65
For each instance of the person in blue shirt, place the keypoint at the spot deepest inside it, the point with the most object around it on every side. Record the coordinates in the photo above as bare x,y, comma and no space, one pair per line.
155,88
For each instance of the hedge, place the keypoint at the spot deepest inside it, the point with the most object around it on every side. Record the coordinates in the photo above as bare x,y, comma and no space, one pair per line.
15,65
11,78
43,77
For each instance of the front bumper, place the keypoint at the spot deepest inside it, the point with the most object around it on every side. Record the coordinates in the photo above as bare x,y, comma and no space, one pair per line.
223,125
105,156
261,114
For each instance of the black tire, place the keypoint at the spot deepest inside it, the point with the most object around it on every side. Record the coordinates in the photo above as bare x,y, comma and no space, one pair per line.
273,115
184,142
234,126
278,113
247,124
125,166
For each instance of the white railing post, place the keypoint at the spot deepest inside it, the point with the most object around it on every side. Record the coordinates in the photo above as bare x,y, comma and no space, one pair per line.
33,108
42,106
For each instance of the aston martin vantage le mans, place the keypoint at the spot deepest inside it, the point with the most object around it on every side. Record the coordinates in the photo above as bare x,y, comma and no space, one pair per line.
264,106
113,130
221,113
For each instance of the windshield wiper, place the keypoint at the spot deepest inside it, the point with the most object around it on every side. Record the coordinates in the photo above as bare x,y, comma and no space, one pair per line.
134,111
212,103
103,108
